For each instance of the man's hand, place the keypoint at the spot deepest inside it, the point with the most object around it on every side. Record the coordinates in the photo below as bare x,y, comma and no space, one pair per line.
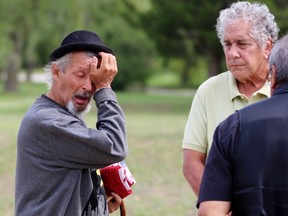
103,74
114,201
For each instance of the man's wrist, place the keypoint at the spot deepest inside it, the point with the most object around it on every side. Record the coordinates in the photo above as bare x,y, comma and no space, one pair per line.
104,94
99,89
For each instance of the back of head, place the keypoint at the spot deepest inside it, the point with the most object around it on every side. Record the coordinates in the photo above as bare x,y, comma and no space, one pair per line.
279,58
263,25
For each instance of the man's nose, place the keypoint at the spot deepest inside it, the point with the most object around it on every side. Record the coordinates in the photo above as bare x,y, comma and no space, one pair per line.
88,85
233,51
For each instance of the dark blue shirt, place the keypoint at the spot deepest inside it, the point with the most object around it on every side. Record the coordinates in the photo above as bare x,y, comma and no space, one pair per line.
248,161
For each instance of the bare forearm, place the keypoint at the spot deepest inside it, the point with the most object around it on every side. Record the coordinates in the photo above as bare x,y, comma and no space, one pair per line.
194,177
214,208
213,214
193,168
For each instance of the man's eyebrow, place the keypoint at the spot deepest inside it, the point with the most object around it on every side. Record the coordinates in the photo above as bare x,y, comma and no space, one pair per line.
237,41
243,40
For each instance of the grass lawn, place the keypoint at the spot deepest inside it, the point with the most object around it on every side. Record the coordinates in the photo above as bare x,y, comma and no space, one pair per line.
155,124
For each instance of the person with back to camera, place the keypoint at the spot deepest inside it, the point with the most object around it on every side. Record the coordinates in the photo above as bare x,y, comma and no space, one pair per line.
247,32
247,170
57,154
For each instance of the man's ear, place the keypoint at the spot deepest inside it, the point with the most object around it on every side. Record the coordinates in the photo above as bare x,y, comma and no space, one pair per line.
273,77
55,72
268,48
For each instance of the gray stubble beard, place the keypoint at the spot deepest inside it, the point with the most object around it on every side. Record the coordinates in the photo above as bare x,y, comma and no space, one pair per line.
79,114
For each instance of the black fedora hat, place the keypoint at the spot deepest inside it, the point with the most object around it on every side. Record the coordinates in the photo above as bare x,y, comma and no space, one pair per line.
81,40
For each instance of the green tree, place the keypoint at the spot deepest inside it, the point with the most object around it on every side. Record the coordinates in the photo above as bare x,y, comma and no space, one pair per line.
186,29
11,40
23,32
34,30
280,10
135,51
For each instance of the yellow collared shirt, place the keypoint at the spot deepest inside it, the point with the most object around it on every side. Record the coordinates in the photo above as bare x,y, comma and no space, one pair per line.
216,99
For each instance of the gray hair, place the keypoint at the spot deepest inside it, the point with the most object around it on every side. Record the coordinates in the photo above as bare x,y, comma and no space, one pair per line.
279,58
263,23
62,64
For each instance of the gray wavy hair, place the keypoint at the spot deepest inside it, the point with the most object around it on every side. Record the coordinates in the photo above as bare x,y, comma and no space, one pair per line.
263,22
279,58
61,63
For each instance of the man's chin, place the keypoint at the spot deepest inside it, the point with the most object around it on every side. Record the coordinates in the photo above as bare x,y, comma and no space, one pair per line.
78,111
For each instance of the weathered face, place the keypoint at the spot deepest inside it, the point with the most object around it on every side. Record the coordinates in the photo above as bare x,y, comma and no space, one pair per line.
74,86
244,58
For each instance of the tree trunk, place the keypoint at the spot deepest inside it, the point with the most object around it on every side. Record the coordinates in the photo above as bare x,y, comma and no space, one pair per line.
185,75
29,71
14,64
214,66
11,83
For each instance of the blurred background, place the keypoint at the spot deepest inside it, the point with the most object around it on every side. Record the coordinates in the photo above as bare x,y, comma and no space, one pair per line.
164,49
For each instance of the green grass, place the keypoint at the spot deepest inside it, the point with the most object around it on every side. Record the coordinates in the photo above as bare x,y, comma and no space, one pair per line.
170,80
155,123
171,77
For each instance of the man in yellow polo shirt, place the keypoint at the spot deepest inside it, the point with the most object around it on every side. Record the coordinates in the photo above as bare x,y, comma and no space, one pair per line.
246,54
215,100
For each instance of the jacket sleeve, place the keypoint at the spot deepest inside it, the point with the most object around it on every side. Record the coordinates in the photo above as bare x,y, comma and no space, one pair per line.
71,144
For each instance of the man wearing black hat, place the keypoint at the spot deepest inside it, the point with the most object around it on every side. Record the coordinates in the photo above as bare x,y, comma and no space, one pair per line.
56,151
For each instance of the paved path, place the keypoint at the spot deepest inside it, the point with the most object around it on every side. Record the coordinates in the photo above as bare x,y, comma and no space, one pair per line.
35,77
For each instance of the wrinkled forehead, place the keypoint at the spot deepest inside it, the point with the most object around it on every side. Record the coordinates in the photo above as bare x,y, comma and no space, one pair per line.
238,25
81,60
78,57
239,30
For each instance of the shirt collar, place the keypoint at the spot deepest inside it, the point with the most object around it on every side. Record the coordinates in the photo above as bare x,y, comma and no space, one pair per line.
282,88
234,91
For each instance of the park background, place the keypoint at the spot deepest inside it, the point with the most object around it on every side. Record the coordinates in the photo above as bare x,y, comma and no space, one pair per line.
164,49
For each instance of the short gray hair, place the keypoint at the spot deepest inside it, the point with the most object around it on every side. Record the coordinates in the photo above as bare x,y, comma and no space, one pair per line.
279,58
262,21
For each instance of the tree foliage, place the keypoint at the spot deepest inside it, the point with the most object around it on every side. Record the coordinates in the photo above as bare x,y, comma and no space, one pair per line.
183,30
186,29
37,27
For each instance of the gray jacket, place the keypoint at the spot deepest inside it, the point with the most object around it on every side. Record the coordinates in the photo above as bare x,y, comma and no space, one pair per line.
56,153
